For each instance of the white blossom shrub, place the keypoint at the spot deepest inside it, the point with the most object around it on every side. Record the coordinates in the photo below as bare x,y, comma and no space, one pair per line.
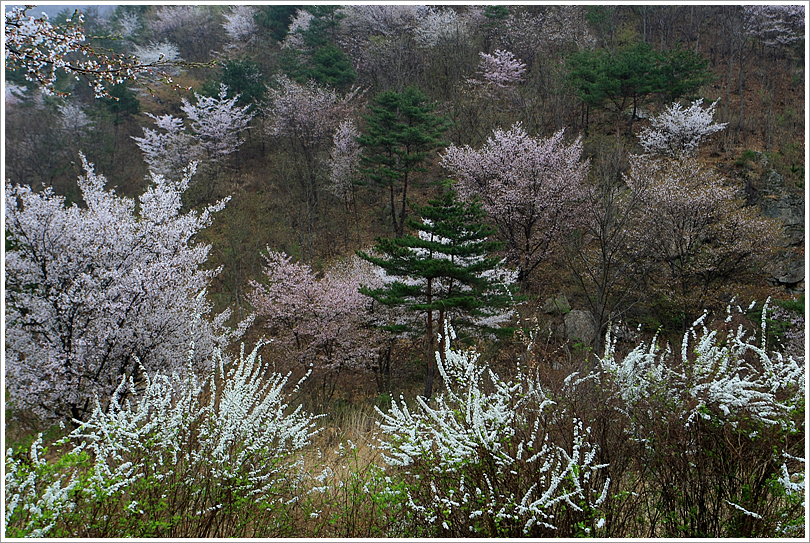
184,456
719,426
715,378
35,498
490,457
678,131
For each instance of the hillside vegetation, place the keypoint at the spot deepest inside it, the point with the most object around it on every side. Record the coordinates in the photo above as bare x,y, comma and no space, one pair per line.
405,271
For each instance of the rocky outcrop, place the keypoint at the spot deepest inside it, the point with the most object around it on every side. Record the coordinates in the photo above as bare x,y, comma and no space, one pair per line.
779,201
579,325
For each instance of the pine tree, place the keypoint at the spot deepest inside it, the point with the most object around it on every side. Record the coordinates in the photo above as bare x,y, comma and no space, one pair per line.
447,268
399,136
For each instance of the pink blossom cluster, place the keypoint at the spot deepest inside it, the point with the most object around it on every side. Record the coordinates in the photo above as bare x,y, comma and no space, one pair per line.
307,112
501,69
530,186
325,321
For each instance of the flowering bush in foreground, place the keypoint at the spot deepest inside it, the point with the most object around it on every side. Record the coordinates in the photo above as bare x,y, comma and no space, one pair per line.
495,458
706,440
719,429
186,457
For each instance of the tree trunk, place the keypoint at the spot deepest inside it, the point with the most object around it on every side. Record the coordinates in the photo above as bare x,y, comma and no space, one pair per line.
430,357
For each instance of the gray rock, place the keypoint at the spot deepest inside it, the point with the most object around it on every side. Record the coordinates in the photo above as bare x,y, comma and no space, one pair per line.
777,201
789,272
579,325
557,305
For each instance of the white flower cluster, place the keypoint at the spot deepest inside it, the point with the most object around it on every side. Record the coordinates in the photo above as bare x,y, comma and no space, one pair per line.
245,432
232,429
437,25
714,379
73,118
157,52
678,131
27,494
474,424
111,284
239,24
300,24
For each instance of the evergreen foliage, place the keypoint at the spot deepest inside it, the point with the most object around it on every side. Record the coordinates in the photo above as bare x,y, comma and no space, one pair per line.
400,135
630,76
447,268
122,102
242,77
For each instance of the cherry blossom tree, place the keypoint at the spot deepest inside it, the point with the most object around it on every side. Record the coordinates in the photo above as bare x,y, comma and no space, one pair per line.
344,161
239,24
216,123
191,27
701,233
73,118
95,293
775,24
323,321
344,166
168,153
303,117
530,187
42,50
677,131
439,24
501,69
128,24
157,52
385,19
298,26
